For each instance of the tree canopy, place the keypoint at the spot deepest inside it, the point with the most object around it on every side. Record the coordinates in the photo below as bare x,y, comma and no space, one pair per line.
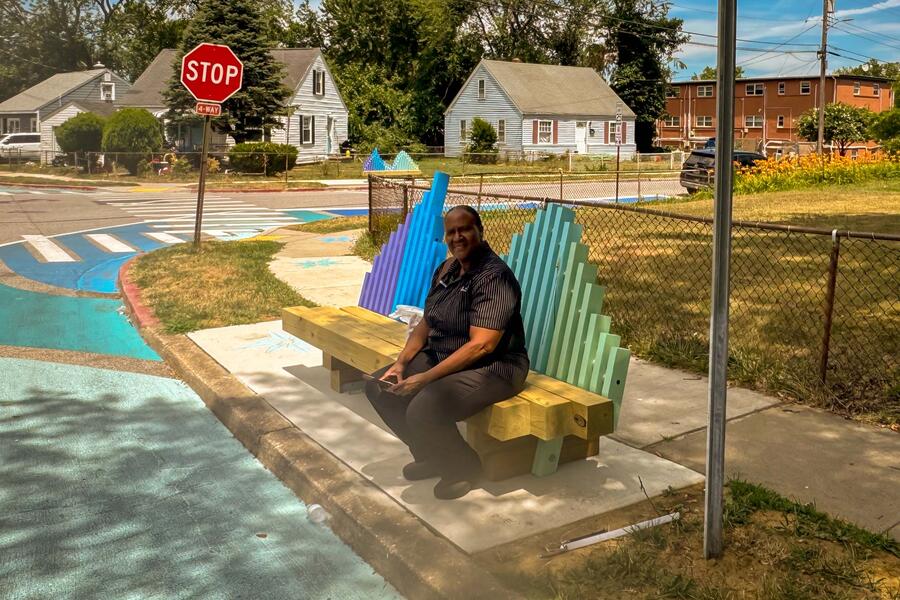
709,73
844,124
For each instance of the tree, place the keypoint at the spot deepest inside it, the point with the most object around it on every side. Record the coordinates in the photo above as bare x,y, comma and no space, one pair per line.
255,108
709,74
134,132
844,124
886,129
307,30
640,43
81,133
875,68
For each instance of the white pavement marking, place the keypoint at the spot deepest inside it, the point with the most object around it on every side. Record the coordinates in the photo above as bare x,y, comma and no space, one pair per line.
109,243
48,249
163,237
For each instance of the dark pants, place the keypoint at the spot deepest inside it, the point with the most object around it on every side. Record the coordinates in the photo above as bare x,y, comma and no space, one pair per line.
427,421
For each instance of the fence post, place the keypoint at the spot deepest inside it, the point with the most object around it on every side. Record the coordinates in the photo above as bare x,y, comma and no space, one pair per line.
829,303
639,179
480,184
371,231
405,202
560,185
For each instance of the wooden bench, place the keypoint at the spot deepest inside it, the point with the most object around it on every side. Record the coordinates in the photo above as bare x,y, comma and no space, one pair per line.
547,423
572,395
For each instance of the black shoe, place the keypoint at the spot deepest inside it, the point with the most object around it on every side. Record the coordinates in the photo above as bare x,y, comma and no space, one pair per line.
418,470
451,489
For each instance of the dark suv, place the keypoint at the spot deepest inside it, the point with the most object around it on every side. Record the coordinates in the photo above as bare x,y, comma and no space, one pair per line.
698,171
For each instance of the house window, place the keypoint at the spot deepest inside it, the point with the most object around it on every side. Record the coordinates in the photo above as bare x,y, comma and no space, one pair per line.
804,88
481,89
673,92
545,132
781,88
704,91
670,121
501,130
612,129
318,82
755,89
12,126
308,129
462,130
876,89
856,88
107,92
753,121
704,121
780,121
32,125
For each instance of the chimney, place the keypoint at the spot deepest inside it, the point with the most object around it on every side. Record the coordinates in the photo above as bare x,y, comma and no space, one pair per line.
516,59
99,65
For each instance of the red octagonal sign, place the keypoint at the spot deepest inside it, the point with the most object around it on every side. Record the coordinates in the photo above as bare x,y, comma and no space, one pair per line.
211,72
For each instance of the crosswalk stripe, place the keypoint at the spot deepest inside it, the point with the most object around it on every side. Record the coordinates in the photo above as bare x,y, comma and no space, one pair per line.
110,243
163,237
48,249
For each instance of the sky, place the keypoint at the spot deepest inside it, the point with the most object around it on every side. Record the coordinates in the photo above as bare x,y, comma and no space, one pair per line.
780,37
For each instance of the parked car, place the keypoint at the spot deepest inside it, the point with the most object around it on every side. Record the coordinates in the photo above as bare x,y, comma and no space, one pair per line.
20,145
698,171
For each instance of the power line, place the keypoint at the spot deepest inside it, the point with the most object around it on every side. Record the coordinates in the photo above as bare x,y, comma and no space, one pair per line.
865,37
57,69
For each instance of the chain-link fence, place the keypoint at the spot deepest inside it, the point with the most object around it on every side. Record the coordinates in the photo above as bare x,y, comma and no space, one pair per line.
806,304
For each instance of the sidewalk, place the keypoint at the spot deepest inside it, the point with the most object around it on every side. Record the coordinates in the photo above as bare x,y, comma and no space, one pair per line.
848,470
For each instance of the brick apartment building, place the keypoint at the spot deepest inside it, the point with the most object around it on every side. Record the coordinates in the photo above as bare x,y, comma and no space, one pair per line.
766,110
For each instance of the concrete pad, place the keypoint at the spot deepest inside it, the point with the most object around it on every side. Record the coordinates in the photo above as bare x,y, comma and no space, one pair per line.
303,244
289,375
334,281
848,470
661,403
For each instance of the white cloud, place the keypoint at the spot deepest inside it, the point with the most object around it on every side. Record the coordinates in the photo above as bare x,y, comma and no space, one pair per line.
840,14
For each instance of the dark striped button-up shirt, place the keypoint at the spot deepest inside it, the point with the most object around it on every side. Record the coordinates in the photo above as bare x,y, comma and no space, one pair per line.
488,296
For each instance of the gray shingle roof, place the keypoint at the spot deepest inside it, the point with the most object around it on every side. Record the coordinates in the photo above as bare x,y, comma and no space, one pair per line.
147,90
104,109
48,90
555,90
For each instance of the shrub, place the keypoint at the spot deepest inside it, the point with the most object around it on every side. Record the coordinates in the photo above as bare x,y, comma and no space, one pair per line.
481,143
262,157
134,132
181,166
81,133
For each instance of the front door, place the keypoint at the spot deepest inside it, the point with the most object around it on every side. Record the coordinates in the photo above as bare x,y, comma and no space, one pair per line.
581,137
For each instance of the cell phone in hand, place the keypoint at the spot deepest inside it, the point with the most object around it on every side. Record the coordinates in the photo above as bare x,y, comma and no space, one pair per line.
384,384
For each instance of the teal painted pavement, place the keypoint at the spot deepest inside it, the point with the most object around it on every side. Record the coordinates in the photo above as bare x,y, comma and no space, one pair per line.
116,485
66,323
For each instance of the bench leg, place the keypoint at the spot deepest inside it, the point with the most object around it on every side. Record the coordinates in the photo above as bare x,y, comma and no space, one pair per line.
343,376
546,457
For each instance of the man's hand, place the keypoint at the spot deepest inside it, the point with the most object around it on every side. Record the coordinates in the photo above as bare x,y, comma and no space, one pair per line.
409,386
395,372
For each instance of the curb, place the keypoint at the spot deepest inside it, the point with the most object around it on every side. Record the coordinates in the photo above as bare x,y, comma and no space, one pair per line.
419,563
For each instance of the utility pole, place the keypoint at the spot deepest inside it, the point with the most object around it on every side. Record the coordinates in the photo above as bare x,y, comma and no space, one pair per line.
827,9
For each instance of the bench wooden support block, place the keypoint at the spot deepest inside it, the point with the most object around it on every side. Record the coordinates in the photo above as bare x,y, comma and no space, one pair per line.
343,376
504,421
546,457
502,460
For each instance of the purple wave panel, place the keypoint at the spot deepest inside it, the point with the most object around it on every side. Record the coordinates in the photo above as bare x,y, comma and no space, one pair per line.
380,284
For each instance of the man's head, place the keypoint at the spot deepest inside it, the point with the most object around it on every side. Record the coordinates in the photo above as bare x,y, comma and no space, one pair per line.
463,231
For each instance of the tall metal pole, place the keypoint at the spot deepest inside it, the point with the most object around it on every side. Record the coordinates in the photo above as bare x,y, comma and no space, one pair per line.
718,324
198,220
827,7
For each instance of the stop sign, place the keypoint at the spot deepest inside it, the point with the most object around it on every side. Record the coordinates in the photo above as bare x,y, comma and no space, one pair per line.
211,72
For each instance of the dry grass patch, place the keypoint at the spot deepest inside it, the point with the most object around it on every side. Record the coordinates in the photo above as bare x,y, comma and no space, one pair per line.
333,225
225,283
775,550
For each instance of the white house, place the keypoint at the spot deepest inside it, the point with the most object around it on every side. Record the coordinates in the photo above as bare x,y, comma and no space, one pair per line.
539,108
318,118
49,145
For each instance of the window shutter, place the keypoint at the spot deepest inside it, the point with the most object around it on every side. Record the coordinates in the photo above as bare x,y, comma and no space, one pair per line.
555,131
312,126
315,79
534,132
624,133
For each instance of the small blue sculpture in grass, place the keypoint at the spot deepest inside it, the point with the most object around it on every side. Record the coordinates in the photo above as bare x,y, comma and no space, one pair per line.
374,162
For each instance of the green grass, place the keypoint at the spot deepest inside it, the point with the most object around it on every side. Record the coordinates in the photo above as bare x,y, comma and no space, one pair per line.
226,283
776,550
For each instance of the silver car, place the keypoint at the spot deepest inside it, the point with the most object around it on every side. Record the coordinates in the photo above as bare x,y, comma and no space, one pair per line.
26,146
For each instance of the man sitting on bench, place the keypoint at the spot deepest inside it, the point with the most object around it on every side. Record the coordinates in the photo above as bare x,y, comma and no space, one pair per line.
465,355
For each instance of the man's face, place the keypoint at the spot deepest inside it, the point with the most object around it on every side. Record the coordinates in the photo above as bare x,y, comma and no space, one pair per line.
461,234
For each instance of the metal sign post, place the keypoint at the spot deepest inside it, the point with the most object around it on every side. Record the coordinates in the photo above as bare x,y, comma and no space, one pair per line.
718,324
618,145
202,187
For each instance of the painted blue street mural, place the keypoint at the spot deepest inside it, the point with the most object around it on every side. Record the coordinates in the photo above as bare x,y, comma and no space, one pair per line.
64,323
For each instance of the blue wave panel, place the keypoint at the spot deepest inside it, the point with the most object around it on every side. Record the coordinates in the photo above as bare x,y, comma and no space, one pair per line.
65,323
